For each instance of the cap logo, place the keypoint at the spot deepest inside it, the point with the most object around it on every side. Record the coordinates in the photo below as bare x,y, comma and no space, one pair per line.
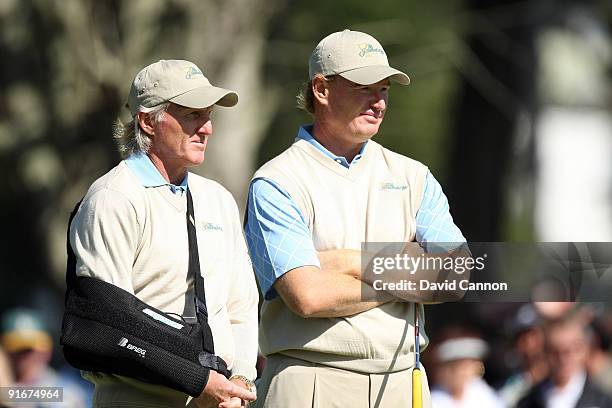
366,49
193,71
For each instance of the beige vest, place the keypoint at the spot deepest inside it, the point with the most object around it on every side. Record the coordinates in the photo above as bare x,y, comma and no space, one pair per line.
374,200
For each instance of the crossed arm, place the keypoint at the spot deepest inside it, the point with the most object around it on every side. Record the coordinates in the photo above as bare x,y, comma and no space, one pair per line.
339,288
334,290
329,291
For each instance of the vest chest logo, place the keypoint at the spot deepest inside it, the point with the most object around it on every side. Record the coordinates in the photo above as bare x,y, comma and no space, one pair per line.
211,227
389,186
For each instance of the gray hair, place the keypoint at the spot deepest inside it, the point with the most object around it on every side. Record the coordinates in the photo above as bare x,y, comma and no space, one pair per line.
305,96
130,137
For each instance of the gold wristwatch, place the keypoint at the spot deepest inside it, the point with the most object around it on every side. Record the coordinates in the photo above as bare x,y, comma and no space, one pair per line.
250,384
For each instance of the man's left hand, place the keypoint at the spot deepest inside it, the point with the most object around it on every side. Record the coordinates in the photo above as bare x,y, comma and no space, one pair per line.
236,402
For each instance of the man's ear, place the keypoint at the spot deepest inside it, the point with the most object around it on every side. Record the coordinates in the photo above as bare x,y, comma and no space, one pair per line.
320,89
144,120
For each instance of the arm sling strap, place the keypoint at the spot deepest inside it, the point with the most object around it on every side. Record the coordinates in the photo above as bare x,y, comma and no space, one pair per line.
107,329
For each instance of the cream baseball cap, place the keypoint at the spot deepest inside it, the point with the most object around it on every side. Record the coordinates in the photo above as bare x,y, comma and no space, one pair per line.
354,55
177,81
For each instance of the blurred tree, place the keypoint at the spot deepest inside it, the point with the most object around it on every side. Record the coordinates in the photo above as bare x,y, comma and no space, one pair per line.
67,70
495,105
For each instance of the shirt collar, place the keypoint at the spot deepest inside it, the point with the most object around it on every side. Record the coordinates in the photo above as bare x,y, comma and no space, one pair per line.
148,175
570,393
305,133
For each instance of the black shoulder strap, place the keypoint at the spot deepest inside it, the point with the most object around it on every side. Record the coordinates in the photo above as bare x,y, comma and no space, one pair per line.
194,261
198,280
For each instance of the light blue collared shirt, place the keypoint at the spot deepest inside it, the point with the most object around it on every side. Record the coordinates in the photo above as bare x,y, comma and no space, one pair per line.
149,176
305,133
279,239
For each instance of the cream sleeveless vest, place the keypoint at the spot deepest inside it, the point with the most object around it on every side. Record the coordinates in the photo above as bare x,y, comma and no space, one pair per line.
374,200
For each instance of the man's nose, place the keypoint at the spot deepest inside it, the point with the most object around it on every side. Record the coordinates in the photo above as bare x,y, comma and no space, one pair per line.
379,101
206,128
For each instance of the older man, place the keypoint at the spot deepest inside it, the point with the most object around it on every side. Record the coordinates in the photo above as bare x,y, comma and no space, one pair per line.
330,339
130,231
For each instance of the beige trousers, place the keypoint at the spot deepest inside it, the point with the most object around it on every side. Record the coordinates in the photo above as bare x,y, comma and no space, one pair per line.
113,391
291,383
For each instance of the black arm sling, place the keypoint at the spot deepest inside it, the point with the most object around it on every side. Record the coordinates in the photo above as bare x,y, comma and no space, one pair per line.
107,329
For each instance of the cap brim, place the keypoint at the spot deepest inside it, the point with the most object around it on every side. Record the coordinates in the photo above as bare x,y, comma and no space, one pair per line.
15,341
206,96
373,74
462,349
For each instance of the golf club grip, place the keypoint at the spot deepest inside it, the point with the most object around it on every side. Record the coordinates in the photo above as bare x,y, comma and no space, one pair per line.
417,393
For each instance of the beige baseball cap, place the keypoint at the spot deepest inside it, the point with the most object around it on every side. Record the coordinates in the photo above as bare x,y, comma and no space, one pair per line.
354,55
23,329
177,81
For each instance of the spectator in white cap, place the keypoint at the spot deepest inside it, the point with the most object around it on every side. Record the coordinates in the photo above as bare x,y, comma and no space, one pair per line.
330,339
458,373
130,231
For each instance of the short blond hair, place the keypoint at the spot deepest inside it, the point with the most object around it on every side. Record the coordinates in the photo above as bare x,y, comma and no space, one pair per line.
305,97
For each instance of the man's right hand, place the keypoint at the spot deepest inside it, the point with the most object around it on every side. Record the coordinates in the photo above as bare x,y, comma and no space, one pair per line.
219,389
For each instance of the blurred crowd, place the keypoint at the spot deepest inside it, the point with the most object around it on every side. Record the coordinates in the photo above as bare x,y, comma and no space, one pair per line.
26,349
561,355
